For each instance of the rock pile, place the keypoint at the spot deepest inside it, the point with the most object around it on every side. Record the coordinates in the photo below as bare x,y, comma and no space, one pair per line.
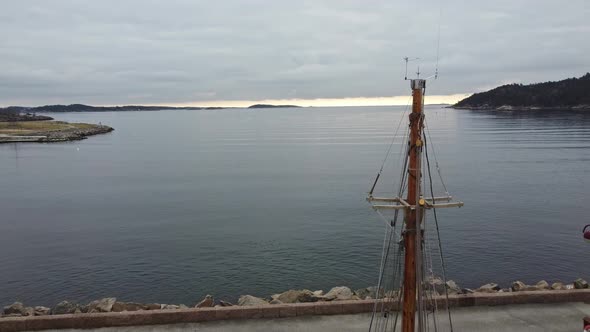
434,285
18,309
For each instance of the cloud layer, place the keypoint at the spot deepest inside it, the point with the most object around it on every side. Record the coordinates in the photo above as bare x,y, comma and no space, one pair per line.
191,52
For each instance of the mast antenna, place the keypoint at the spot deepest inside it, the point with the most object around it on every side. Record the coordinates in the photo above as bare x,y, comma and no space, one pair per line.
407,59
438,42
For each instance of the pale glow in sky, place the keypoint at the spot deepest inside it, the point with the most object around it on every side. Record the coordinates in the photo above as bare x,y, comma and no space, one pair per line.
359,101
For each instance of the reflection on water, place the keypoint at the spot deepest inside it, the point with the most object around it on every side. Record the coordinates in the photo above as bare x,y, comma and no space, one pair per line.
176,204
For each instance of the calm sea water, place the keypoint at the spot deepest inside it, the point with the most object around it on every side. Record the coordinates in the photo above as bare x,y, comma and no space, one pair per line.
174,205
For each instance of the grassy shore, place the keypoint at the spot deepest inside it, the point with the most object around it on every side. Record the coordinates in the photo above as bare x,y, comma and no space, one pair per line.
48,131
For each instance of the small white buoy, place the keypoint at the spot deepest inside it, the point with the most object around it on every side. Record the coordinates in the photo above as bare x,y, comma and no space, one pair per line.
77,149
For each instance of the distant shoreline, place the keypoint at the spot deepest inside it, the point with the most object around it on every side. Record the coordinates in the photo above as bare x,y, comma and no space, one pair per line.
131,108
568,94
522,108
87,108
273,106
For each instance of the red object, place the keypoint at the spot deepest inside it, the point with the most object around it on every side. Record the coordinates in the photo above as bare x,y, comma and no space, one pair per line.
586,232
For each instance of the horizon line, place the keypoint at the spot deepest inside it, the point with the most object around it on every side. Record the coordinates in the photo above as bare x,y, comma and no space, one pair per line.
317,102
325,102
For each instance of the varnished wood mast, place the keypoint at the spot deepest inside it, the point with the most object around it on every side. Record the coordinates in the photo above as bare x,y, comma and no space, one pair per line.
412,237
414,207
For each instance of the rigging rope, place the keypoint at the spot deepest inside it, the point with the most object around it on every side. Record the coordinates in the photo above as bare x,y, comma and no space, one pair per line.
428,253
442,259
381,271
380,322
403,177
435,159
390,146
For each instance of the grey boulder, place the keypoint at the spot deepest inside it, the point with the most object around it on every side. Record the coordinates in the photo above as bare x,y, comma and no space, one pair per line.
436,284
249,300
338,294
207,302
42,311
16,309
64,307
170,306
558,286
518,286
102,305
543,285
580,283
225,303
29,311
489,288
296,296
368,293
452,287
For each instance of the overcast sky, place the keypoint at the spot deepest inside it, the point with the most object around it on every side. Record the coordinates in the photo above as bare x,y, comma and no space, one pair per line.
206,52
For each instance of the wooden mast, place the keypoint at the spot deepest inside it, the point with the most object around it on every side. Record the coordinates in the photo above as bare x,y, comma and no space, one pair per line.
412,234
414,207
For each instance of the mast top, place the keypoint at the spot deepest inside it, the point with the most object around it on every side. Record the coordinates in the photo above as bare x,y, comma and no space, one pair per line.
417,83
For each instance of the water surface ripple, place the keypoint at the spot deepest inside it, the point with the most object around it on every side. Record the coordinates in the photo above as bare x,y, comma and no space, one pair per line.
174,205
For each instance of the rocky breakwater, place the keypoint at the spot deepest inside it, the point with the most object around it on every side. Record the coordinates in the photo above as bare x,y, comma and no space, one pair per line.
75,133
435,286
48,131
519,286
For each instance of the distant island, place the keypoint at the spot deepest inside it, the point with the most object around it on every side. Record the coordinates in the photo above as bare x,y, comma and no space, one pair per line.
272,106
127,108
571,93
88,108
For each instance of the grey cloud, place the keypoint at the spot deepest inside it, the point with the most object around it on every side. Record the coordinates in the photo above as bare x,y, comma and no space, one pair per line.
118,52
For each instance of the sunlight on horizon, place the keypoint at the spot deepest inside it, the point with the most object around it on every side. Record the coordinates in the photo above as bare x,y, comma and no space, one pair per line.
326,102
